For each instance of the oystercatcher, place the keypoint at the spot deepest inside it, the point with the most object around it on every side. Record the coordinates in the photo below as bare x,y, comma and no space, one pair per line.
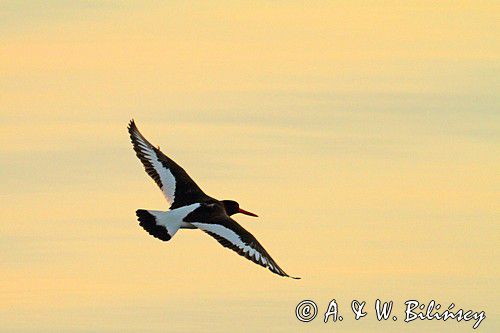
191,208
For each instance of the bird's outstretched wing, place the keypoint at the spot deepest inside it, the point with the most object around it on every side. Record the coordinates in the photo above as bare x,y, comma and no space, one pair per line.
213,220
179,189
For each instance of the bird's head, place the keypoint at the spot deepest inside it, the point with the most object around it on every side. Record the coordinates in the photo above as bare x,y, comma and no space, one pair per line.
232,207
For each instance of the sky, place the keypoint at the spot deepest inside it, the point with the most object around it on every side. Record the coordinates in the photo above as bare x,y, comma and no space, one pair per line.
365,135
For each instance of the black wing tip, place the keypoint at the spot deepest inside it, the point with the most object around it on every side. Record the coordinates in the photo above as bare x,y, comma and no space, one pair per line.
131,126
135,134
283,274
148,222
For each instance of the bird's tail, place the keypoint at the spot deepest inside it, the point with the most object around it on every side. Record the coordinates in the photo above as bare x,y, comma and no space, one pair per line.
162,225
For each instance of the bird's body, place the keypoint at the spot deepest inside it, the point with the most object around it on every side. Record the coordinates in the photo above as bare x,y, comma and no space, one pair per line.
191,208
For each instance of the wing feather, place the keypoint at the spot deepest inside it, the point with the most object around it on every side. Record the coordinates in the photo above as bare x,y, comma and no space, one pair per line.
233,236
178,188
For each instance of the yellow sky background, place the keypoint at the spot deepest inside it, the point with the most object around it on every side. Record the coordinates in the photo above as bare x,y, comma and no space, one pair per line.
365,134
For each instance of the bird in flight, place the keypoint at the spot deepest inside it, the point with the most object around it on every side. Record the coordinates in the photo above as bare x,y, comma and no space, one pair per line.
191,208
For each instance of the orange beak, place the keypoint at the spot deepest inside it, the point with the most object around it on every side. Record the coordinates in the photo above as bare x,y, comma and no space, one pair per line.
247,213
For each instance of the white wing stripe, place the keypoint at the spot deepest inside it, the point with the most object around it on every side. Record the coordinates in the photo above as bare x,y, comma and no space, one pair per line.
166,177
223,232
231,236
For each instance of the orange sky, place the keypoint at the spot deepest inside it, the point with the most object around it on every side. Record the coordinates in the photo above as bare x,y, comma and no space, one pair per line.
364,134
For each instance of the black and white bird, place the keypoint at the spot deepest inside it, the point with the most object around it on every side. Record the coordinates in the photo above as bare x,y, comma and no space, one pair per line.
191,208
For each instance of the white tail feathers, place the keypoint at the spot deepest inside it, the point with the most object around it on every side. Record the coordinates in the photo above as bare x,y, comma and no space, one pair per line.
164,225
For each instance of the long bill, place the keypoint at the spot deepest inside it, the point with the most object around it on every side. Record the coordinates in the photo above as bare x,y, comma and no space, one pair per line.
242,211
